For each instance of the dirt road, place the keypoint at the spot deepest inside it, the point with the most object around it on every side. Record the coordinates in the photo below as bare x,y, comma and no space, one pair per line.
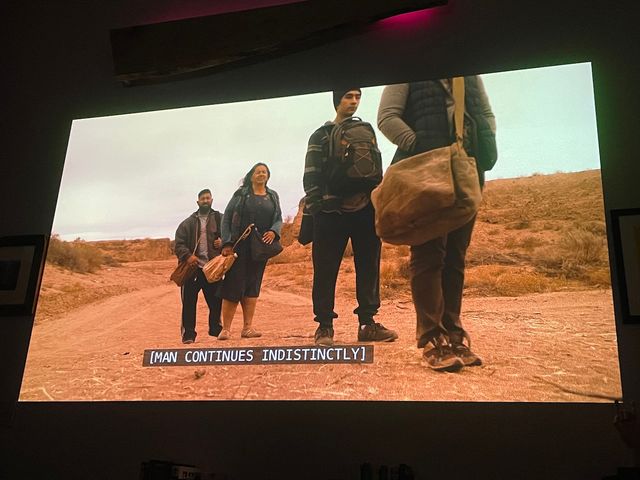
544,347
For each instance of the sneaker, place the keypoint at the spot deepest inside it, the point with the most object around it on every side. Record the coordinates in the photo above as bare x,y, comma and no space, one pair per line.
188,340
440,356
224,334
324,336
376,332
463,351
250,333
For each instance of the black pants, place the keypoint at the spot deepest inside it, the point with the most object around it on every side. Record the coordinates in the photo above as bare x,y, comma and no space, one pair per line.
437,281
189,293
331,231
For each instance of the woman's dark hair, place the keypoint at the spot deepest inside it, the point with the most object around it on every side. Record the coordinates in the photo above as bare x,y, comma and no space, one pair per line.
246,181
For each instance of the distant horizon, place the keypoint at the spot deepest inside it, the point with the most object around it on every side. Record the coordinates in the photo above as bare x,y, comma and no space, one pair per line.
535,174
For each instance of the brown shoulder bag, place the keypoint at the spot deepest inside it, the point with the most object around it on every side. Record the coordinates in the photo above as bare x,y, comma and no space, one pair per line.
429,194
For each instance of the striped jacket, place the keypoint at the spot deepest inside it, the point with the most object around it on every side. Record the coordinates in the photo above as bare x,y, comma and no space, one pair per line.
317,196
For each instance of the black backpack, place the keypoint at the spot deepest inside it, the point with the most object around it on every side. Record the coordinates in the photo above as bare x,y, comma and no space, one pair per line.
355,163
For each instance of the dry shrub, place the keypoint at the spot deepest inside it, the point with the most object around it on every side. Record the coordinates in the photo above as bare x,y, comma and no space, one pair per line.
510,242
136,250
599,277
513,284
584,246
294,253
530,242
594,226
506,281
573,255
288,234
520,224
394,251
78,256
395,273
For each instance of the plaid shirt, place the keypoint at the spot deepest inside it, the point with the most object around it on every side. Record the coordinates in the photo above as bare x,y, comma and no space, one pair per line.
317,196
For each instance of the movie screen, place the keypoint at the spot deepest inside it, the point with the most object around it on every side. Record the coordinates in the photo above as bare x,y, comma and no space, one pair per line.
512,304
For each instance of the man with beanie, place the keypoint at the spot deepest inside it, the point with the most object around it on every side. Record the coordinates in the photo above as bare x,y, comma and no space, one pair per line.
197,241
340,214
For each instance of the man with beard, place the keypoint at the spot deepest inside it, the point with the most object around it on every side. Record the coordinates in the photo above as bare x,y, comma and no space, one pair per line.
198,241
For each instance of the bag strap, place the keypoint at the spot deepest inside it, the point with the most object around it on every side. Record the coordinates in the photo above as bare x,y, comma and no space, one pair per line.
335,133
244,235
218,218
458,114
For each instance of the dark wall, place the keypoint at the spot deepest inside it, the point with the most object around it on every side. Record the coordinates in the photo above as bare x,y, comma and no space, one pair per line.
57,66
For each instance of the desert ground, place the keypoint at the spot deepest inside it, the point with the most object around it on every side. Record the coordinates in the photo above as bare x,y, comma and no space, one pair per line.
537,306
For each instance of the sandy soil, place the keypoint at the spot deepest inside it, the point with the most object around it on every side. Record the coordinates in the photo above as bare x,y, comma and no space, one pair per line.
557,346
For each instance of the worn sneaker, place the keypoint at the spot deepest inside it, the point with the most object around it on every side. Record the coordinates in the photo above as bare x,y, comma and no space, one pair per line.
463,351
440,356
188,340
469,358
224,334
250,333
324,336
376,332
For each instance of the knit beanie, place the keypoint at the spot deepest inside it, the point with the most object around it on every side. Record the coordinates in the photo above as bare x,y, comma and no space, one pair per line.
341,92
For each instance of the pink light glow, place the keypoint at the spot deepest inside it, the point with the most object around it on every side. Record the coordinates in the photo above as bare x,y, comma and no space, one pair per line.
411,18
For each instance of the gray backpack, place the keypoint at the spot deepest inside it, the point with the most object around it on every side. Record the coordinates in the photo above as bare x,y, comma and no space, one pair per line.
355,162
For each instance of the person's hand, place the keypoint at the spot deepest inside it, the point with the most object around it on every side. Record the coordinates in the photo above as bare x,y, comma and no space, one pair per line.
269,237
217,242
226,251
192,260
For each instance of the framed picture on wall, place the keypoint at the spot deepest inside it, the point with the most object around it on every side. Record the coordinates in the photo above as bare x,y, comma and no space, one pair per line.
626,237
21,266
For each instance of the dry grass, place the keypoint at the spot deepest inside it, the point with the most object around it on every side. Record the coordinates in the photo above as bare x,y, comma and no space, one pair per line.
507,281
575,255
533,234
395,273
77,256
138,250
293,253
87,257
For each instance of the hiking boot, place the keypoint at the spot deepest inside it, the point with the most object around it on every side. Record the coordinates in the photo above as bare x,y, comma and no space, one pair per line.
250,333
224,334
440,356
376,332
463,351
324,336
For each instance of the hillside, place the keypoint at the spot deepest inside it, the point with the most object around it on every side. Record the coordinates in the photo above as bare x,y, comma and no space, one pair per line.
540,233
533,234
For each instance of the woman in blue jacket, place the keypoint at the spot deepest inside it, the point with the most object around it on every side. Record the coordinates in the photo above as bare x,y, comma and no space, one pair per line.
255,203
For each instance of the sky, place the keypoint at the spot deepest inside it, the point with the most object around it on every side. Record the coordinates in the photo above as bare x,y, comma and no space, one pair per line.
137,176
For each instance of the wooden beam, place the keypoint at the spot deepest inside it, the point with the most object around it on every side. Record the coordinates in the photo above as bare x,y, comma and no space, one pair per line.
197,46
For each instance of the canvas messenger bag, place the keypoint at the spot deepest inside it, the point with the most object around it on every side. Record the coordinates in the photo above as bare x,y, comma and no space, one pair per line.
429,194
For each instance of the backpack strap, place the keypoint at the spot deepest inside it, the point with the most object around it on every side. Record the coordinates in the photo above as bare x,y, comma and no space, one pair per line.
335,133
